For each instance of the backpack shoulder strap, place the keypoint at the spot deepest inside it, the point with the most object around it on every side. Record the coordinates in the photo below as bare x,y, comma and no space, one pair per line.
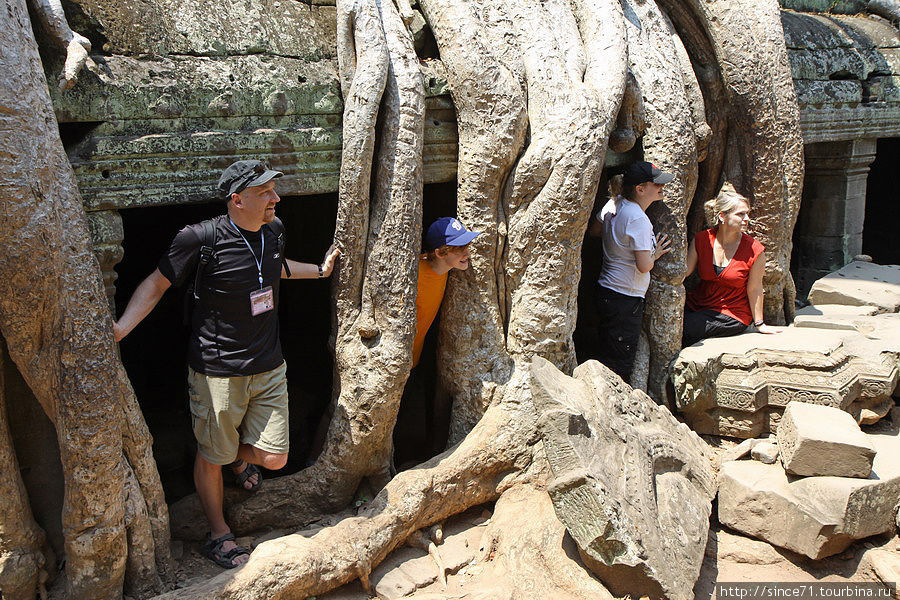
207,249
277,227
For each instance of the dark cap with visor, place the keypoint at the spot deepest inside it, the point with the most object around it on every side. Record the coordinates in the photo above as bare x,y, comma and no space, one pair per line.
242,174
641,172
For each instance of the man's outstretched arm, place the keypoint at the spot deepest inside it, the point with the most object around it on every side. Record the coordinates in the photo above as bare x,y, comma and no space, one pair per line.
310,271
141,303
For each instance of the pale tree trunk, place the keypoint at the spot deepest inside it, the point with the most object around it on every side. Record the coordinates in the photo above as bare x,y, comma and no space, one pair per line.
23,568
55,319
670,143
492,126
702,55
535,214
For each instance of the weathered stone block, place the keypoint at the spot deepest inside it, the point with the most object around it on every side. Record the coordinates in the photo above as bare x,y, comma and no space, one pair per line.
815,516
766,452
831,316
741,450
813,32
738,386
862,284
821,63
389,579
828,92
395,584
632,485
821,440
215,28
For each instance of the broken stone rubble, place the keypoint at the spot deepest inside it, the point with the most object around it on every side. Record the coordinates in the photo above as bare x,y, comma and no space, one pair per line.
816,516
832,316
860,284
822,440
766,452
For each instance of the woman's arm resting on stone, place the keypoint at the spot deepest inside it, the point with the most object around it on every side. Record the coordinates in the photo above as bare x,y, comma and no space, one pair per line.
755,295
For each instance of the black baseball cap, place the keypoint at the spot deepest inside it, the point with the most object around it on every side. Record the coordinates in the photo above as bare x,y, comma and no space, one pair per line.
641,172
242,174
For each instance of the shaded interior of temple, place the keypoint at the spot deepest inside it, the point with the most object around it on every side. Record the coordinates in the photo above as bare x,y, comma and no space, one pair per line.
879,238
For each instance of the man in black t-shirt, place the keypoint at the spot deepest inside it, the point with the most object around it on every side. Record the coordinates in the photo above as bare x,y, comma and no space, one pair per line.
236,375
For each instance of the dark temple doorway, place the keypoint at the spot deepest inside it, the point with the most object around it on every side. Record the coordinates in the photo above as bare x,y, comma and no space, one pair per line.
155,352
879,228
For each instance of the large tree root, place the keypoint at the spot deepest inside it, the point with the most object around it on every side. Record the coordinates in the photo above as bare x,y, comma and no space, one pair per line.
527,552
23,568
494,456
55,318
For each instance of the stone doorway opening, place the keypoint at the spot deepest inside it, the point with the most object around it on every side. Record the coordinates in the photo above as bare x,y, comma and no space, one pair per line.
155,353
423,421
880,225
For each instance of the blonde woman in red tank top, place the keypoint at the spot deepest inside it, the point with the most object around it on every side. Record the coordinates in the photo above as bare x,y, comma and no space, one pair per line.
731,265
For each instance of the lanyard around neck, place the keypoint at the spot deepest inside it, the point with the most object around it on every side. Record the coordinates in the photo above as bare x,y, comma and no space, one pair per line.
262,250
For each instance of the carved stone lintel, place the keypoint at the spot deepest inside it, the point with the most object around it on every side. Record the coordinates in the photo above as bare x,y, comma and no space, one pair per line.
740,386
627,480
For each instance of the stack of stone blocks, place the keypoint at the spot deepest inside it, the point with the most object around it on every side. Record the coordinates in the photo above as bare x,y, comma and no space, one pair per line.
842,351
832,485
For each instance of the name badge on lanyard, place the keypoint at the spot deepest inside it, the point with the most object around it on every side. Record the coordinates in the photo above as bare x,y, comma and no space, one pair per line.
262,301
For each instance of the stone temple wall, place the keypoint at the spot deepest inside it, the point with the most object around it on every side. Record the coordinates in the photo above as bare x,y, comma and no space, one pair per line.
847,77
183,89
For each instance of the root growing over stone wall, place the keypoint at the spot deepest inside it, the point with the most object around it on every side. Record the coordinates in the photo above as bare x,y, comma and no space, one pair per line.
538,90
539,87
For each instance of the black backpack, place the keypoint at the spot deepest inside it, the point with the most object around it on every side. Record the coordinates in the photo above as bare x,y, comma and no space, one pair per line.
208,250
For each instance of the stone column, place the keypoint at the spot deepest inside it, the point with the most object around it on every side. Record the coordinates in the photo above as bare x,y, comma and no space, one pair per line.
829,228
107,234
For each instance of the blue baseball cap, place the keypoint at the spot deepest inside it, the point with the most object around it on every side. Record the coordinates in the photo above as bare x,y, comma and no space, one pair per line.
448,231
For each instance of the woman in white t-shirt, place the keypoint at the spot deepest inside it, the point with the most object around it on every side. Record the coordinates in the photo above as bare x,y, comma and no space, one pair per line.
630,250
